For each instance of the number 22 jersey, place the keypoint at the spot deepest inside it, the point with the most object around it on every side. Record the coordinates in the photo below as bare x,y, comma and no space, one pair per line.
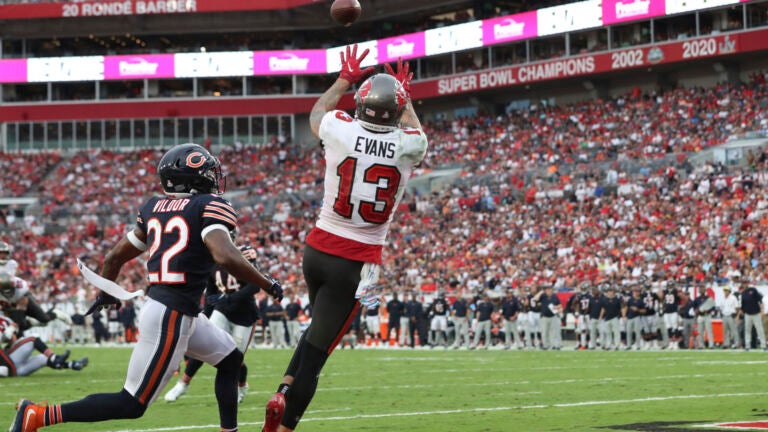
365,177
179,262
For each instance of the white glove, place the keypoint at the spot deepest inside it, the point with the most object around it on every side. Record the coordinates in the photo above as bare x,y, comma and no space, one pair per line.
367,289
61,316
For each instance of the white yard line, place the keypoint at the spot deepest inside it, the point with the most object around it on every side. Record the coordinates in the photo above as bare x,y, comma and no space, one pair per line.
468,410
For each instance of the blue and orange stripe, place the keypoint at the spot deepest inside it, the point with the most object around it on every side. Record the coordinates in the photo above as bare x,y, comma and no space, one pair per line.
158,366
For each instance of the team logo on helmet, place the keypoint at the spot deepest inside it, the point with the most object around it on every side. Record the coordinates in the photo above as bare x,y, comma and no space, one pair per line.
191,160
364,90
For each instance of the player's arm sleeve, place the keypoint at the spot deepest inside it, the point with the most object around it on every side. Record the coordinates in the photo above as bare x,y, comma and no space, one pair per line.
244,293
218,214
331,124
414,144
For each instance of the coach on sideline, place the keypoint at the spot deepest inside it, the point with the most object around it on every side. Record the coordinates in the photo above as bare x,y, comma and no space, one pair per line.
752,308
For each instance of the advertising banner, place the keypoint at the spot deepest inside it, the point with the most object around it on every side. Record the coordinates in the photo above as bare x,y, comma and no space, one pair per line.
510,28
138,67
12,71
619,11
406,46
289,62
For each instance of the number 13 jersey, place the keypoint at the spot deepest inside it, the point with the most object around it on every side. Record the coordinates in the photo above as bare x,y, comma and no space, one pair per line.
365,177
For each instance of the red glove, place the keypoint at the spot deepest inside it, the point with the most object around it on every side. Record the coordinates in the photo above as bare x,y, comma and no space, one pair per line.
350,65
402,75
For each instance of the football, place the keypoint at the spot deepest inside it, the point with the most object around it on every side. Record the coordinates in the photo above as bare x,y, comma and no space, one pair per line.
346,12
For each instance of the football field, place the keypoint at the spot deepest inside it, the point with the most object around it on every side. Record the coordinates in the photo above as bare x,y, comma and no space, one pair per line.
449,391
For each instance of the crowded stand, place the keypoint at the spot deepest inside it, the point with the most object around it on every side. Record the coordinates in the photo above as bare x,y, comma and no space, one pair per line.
498,227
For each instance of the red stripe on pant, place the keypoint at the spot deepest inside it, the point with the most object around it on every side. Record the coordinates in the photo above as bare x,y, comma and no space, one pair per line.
344,328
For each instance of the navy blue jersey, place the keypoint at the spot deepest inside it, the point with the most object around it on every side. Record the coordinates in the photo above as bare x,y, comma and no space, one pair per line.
413,309
509,307
751,301
439,307
670,300
533,304
179,263
650,303
611,307
686,310
594,305
460,308
583,303
525,304
241,309
292,310
547,304
396,309
274,312
635,307
372,312
484,311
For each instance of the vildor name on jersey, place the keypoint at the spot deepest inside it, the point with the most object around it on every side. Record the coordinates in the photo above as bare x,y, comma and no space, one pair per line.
165,205
371,146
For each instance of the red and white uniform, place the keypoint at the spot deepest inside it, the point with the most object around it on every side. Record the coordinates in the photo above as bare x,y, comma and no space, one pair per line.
10,266
365,177
22,288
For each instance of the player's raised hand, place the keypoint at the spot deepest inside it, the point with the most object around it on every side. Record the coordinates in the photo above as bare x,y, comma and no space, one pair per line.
403,75
350,65
104,301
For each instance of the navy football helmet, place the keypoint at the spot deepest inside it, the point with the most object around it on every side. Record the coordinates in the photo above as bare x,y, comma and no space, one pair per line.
380,102
190,169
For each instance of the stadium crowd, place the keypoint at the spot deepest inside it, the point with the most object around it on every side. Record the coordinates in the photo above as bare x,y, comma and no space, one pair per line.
546,195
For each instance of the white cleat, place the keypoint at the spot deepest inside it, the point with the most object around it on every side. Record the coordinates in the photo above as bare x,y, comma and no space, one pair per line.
241,392
176,392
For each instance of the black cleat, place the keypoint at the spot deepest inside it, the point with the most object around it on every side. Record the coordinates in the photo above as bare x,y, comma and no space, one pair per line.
79,364
58,361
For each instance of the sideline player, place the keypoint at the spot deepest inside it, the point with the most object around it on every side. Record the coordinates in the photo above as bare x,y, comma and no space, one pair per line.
369,160
439,325
187,232
232,308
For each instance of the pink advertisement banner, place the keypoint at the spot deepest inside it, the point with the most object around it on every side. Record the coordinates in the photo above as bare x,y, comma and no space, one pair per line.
13,71
405,46
618,11
289,62
510,28
138,66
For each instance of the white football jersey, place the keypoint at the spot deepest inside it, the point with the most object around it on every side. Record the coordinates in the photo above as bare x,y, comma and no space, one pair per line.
10,267
22,288
365,176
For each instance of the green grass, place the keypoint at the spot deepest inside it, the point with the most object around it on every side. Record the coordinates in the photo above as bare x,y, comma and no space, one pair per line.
446,391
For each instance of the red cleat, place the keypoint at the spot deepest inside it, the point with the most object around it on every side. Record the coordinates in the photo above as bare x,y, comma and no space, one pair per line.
274,414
